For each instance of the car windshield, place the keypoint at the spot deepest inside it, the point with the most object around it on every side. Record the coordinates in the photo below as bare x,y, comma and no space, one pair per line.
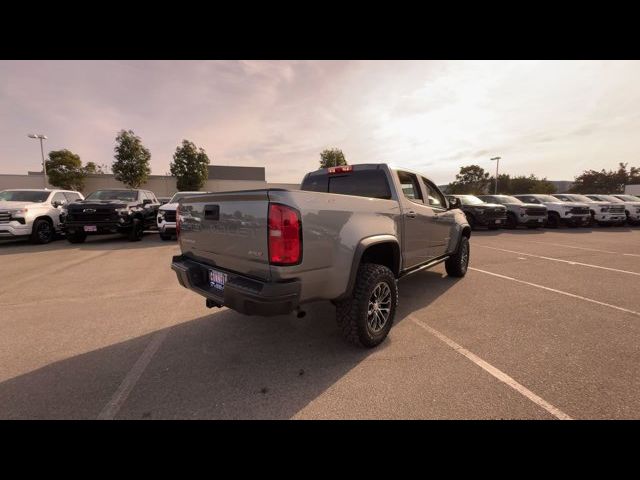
507,199
123,195
576,198
610,198
180,195
546,198
628,198
24,196
470,200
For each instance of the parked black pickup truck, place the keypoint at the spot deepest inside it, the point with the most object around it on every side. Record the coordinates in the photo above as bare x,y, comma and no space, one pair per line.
128,212
481,213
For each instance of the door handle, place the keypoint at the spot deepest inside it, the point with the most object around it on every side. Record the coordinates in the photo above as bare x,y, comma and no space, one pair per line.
411,214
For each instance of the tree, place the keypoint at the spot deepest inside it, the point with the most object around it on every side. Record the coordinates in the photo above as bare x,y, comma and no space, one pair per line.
332,157
189,166
91,167
531,184
472,179
131,164
64,169
612,181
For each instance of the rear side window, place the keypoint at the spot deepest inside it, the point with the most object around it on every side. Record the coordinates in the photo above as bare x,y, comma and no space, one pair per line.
410,186
364,183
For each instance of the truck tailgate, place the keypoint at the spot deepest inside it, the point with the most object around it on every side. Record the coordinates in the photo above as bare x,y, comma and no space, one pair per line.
228,230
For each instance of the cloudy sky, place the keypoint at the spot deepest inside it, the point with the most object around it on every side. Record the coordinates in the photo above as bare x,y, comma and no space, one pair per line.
551,118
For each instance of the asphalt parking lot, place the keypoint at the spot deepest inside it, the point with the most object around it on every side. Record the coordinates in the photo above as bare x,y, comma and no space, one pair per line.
545,325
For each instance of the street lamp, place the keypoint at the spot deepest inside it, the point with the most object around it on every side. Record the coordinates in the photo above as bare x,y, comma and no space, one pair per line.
497,160
44,166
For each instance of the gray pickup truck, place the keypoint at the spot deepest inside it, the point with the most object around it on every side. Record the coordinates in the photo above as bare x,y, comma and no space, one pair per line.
346,236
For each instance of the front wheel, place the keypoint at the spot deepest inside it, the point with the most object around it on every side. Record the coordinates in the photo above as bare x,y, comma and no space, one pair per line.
137,229
165,236
42,232
512,221
76,237
366,318
456,265
553,221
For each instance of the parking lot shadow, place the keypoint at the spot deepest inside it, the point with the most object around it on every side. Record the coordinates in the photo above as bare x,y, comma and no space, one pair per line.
219,366
93,243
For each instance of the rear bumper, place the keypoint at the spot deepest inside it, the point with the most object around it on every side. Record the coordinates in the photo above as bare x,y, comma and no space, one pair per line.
242,294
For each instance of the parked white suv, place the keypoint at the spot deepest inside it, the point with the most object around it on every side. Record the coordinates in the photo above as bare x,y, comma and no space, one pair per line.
631,206
603,212
33,213
166,219
559,212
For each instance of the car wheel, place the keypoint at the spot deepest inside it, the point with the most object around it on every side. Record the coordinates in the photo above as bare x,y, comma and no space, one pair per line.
553,221
472,221
512,221
165,236
366,318
76,237
456,265
42,231
136,231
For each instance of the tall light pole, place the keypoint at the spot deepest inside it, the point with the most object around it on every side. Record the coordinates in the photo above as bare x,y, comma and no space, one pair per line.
44,165
497,159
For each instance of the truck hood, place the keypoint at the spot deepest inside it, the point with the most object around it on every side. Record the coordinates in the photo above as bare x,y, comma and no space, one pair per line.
7,205
172,207
567,204
102,203
486,205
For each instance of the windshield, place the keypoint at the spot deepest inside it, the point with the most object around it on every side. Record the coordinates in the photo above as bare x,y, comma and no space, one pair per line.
123,195
24,196
180,195
628,198
506,199
546,198
575,198
610,198
470,200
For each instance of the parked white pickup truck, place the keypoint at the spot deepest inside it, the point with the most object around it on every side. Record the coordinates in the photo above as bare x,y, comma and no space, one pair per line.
33,213
559,213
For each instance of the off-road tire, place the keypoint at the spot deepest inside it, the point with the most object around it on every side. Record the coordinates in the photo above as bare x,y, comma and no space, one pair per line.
136,231
76,237
42,231
352,314
456,265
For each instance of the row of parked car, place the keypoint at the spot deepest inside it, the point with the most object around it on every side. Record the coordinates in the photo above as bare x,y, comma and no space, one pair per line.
537,210
42,214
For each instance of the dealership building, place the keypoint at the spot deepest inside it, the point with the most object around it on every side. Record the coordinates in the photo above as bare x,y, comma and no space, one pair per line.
221,178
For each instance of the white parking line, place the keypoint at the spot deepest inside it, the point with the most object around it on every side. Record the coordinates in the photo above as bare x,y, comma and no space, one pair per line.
561,260
615,307
584,248
111,409
499,374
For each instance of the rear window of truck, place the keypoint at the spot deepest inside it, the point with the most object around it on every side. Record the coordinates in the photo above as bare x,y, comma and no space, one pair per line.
364,183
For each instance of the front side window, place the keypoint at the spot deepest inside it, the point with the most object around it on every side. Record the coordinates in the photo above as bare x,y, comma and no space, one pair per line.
434,196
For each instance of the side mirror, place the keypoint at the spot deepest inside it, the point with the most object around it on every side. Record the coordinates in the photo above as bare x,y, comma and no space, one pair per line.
58,203
454,203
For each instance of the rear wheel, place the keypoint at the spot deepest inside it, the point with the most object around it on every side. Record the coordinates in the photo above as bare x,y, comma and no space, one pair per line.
457,264
42,231
366,318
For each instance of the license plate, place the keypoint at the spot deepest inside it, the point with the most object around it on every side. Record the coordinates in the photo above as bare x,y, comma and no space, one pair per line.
498,221
217,279
90,228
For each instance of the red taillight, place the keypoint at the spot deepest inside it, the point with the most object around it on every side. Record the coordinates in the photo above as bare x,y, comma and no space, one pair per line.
285,235
344,169
178,221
